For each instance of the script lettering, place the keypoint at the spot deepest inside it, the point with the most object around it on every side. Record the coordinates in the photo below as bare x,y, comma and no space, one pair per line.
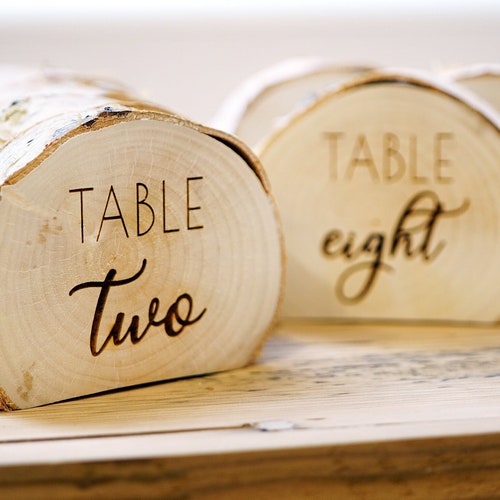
177,317
413,236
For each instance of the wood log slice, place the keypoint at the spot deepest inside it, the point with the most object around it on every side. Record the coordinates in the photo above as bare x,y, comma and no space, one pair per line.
481,79
258,106
389,193
136,246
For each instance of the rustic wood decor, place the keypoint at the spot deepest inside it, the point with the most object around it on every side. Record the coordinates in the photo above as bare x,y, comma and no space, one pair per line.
254,109
389,191
482,79
137,246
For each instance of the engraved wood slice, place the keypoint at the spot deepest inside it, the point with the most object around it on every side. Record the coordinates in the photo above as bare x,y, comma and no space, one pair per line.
258,106
136,246
389,192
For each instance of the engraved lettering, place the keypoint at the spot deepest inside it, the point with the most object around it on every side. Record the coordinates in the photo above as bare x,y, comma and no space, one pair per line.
177,317
82,225
439,161
142,202
142,210
164,211
393,165
189,208
413,162
332,138
389,157
361,157
112,217
412,236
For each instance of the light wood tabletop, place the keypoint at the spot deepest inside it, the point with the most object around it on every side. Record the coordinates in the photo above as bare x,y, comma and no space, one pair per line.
359,411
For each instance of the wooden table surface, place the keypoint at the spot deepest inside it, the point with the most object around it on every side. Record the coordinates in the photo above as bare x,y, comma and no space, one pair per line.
327,411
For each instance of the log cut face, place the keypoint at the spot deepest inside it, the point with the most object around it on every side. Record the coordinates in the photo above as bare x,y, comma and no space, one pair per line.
389,194
136,247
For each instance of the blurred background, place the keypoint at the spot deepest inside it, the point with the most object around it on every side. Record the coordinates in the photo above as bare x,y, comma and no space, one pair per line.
189,55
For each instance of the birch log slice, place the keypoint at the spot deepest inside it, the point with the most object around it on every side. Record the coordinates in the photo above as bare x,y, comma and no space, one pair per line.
482,79
136,246
389,192
256,108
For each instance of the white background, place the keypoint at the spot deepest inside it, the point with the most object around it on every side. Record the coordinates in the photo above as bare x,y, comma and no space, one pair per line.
189,55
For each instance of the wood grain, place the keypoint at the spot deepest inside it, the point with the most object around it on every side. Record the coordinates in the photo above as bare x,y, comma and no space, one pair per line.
359,411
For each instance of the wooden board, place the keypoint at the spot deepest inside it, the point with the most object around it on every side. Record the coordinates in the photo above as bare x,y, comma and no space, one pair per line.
364,411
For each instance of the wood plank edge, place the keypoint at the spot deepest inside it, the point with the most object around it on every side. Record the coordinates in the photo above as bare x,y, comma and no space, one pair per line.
458,467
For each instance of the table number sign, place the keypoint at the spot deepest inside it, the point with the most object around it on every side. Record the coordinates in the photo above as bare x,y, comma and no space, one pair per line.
136,246
389,191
